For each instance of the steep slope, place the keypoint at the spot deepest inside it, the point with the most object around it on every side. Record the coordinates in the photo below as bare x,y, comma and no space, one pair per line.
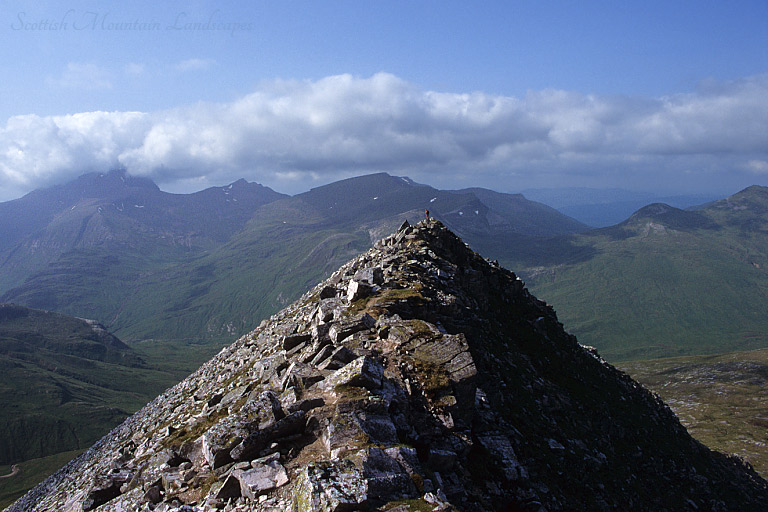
666,282
64,382
418,376
720,398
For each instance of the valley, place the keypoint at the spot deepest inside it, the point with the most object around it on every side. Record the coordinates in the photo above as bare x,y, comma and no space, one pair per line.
721,399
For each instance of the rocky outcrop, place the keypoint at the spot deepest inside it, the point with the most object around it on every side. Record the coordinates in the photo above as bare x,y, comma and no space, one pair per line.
419,376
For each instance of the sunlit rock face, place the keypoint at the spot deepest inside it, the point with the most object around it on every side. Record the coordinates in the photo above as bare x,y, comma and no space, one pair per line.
419,376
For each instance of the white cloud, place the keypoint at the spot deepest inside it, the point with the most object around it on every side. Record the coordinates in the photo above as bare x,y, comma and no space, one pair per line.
134,69
289,132
83,76
758,166
195,64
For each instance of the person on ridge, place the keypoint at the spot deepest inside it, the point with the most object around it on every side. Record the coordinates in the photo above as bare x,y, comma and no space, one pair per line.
426,212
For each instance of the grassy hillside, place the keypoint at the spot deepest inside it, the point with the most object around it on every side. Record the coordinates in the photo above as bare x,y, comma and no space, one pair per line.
64,382
666,282
126,270
31,473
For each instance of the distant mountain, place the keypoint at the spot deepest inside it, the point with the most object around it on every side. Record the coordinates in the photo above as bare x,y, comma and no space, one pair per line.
201,267
88,243
606,207
665,281
526,217
418,377
205,266
64,382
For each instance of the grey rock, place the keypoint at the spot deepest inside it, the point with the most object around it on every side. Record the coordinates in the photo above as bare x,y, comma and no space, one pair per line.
329,486
371,276
501,449
153,494
357,290
224,436
386,479
261,479
305,405
327,310
341,330
230,489
292,340
106,488
301,375
363,372
338,358
251,445
328,292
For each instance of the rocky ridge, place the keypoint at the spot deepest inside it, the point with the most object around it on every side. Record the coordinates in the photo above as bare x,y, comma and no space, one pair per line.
419,376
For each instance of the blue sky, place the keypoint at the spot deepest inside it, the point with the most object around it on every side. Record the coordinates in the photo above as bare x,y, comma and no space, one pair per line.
662,96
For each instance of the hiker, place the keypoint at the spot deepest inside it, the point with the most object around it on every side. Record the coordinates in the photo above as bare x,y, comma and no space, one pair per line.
426,212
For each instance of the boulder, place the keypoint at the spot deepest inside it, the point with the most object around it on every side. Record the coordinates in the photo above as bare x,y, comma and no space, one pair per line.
261,479
106,488
329,486
371,275
363,372
385,478
258,414
293,340
358,290
342,330
230,489
250,446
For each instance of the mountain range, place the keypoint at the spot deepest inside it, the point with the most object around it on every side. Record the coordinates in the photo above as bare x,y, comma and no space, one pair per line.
178,276
208,265
418,376
606,207
665,282
203,268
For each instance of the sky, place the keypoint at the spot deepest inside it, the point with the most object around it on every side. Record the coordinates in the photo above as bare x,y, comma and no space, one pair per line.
657,96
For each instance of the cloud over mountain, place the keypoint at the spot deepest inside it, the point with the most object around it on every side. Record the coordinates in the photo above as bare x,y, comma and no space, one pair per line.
290,133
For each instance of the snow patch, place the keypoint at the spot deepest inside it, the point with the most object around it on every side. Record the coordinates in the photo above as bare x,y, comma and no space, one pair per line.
433,200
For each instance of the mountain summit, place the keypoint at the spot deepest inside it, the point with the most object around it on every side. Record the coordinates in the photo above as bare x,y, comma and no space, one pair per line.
419,376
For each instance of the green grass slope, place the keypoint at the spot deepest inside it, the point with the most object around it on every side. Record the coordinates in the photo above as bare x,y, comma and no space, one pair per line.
31,473
64,382
666,282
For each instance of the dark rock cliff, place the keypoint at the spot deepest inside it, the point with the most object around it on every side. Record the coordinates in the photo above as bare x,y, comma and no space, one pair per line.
419,376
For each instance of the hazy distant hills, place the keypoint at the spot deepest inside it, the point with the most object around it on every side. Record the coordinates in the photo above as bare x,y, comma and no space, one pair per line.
89,243
117,214
665,281
211,265
607,207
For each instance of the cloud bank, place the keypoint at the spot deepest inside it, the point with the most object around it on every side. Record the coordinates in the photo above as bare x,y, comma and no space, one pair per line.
294,134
